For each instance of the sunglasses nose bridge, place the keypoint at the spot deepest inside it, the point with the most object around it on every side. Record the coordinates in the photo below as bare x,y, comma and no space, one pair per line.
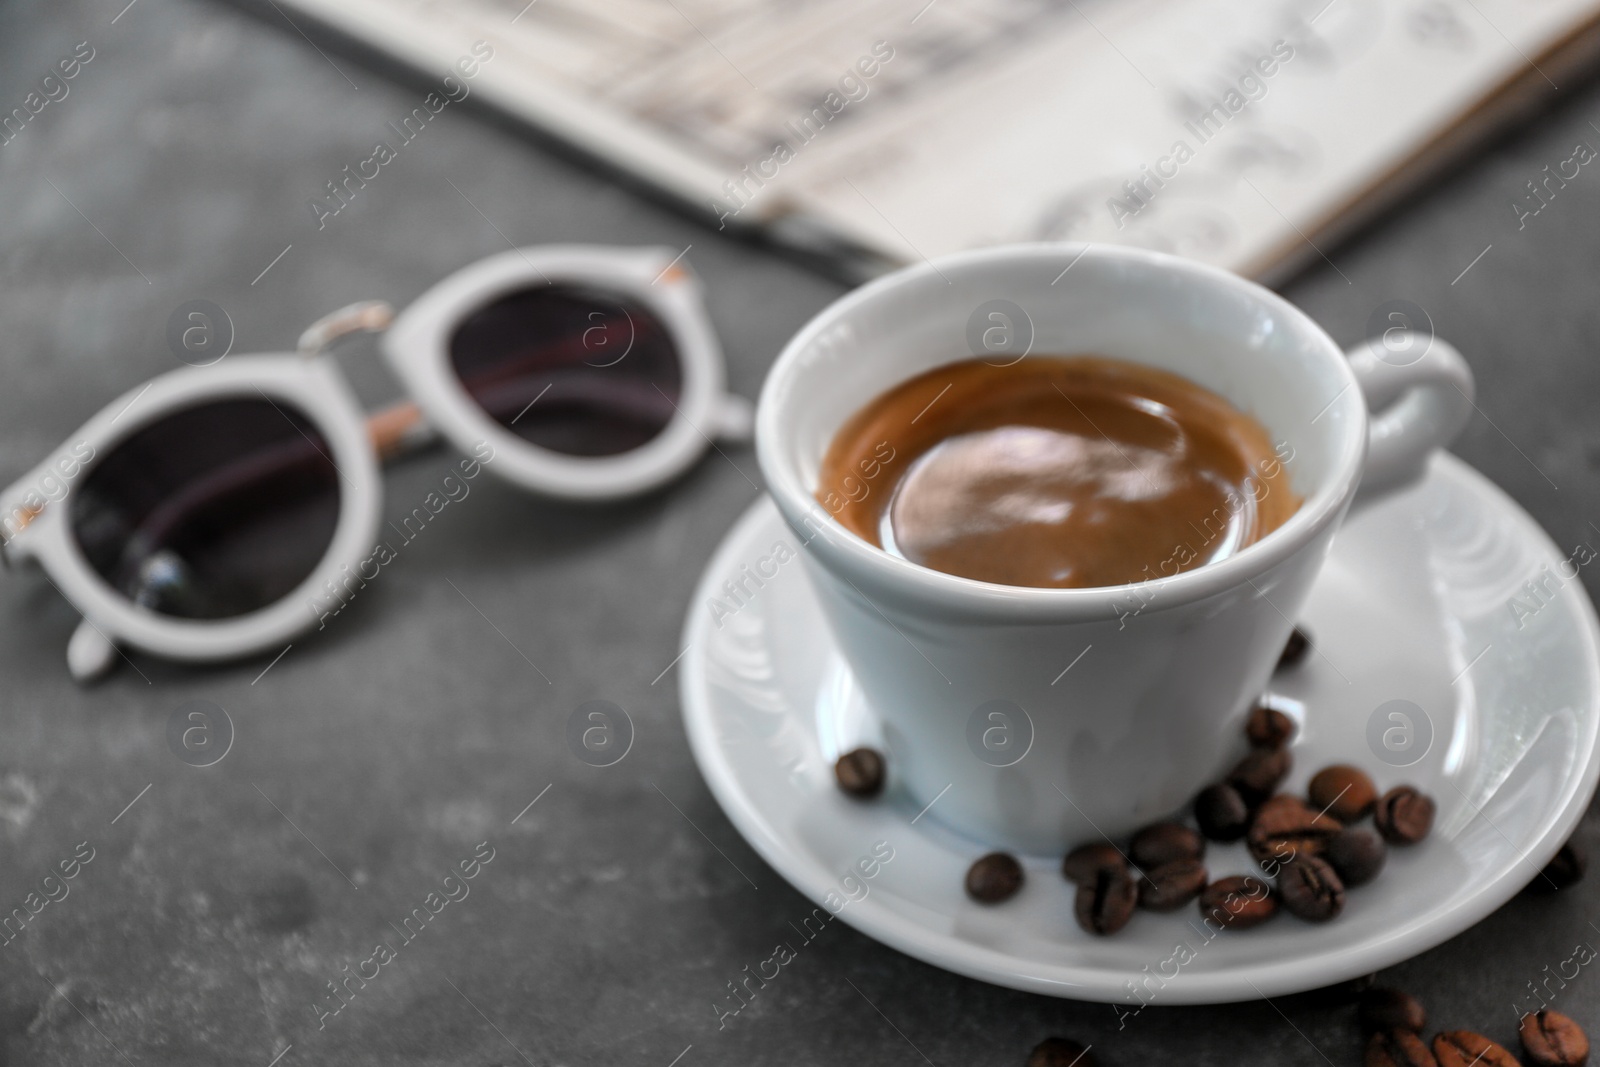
368,316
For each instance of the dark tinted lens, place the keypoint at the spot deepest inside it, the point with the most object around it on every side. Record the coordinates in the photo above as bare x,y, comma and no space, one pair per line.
212,511
570,368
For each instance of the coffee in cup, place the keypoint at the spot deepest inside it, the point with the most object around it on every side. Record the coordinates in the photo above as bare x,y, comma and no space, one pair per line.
1056,472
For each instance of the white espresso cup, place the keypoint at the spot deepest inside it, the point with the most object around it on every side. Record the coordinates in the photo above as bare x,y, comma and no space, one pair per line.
1042,718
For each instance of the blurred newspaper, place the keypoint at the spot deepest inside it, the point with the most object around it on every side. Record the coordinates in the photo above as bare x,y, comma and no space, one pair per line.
1248,133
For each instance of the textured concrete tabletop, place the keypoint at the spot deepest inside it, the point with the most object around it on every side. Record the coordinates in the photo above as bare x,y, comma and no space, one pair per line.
378,753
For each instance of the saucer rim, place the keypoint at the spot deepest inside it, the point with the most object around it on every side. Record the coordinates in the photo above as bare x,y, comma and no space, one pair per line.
1269,978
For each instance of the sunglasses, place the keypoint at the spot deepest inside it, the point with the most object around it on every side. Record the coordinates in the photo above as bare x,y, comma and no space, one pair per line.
211,512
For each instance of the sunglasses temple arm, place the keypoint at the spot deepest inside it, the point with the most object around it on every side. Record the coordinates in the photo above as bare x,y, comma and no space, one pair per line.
399,430
90,653
16,515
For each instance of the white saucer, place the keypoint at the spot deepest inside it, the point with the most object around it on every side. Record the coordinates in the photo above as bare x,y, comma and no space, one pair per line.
1414,604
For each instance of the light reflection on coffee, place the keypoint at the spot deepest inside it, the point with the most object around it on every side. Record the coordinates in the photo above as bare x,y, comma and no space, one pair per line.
1056,472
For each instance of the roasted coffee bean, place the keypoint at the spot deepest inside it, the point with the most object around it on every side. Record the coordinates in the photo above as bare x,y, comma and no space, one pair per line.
1397,1048
1295,649
1083,864
1310,889
1171,885
1463,1048
994,878
1106,906
1221,812
860,772
1268,727
1357,855
1059,1052
1257,775
1550,1039
1239,902
1392,1009
1164,842
1564,871
1342,791
1285,827
1404,816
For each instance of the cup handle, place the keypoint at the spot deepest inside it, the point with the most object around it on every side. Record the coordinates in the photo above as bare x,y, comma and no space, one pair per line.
1417,406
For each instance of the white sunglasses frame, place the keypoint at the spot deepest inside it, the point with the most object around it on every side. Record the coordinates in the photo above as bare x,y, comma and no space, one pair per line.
36,526
418,349
316,389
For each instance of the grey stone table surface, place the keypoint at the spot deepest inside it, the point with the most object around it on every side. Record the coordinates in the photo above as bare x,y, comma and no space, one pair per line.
378,753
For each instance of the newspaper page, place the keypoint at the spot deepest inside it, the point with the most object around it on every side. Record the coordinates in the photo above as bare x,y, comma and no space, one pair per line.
1232,131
